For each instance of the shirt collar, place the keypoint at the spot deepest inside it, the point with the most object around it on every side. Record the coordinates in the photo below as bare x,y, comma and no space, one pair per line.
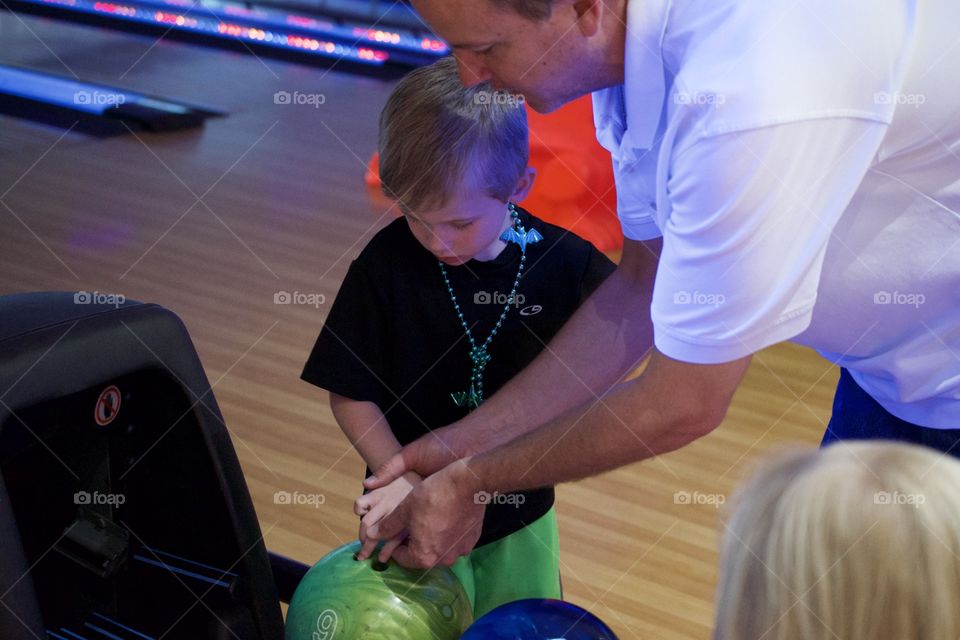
627,116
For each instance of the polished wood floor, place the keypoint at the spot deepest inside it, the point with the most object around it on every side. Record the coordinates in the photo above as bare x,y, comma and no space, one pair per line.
212,223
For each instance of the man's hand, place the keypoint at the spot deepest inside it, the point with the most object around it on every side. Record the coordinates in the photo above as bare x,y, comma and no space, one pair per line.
375,505
441,517
425,456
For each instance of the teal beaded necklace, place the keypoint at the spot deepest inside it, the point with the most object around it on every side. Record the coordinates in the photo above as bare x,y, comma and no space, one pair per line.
479,356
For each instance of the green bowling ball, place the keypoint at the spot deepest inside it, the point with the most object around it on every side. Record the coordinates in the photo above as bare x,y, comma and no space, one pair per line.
341,598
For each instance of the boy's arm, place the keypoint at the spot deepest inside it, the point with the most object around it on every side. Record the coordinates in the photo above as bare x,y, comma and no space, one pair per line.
366,427
602,342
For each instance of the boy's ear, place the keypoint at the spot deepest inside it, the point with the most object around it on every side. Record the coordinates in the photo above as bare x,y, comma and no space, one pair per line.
524,185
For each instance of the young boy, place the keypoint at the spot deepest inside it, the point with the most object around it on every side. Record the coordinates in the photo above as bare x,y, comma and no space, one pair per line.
448,303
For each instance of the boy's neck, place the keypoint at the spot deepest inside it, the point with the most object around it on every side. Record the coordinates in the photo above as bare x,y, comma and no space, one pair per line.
493,251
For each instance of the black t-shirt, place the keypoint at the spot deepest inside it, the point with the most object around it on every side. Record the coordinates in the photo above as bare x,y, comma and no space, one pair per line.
393,336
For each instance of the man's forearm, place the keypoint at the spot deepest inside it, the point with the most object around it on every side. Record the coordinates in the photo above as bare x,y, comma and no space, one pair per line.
602,342
668,406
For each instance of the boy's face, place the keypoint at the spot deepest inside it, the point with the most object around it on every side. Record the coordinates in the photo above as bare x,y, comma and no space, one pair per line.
467,227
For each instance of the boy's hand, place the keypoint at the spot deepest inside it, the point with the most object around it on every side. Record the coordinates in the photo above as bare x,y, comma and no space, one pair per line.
426,455
379,503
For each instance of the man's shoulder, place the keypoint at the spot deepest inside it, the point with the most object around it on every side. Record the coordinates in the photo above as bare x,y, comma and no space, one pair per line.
783,78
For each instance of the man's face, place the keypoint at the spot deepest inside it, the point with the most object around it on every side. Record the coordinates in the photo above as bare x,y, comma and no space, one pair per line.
547,61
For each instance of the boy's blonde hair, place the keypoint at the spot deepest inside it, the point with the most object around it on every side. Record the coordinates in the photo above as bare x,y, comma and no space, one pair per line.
435,134
856,541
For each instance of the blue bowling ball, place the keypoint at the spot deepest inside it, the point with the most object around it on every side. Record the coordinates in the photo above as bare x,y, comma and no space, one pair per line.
537,619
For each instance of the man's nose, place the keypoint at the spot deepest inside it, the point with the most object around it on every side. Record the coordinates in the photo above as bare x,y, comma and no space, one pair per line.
472,70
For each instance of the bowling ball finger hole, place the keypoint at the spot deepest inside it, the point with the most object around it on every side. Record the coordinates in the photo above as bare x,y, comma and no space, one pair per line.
376,565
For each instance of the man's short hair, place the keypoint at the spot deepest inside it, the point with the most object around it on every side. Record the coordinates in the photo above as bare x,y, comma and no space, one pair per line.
435,133
532,9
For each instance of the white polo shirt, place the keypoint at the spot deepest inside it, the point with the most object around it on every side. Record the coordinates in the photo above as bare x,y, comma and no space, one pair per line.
801,160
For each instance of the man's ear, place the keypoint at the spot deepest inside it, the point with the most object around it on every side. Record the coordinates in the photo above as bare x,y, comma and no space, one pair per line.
524,184
589,15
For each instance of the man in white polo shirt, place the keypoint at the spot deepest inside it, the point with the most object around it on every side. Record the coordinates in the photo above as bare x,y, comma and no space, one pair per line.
786,170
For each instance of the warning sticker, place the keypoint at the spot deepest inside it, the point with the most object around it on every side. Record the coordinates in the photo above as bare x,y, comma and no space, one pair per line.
108,405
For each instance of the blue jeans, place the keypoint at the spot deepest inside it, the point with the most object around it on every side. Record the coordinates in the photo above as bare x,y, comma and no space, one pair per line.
857,416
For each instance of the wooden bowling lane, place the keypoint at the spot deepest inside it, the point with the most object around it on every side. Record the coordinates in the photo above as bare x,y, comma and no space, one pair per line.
283,209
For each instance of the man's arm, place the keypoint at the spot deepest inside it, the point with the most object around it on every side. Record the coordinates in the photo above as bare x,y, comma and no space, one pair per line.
669,405
604,340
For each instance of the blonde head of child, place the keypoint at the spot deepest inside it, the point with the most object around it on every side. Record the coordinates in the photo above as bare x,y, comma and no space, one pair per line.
452,157
856,541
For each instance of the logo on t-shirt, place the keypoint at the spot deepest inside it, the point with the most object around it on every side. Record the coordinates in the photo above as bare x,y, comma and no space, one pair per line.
532,310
